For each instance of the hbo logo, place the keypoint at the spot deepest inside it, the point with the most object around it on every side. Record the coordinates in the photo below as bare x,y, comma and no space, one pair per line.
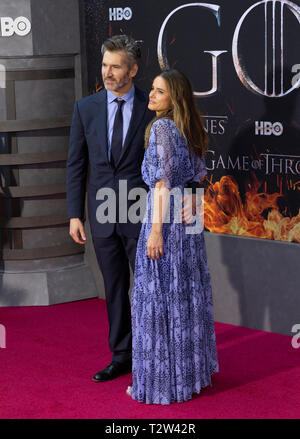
118,14
20,26
268,128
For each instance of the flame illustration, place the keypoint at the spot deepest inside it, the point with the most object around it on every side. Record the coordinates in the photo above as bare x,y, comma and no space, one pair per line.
224,212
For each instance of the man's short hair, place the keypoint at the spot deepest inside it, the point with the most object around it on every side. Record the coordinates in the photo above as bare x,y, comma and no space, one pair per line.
126,44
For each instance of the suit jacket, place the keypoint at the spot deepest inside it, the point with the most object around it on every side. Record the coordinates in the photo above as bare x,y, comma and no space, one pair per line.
88,147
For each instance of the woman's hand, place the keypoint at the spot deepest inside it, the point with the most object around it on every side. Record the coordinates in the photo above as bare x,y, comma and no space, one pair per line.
155,245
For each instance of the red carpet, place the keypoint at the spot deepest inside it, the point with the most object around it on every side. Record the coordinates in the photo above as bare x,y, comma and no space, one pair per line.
52,353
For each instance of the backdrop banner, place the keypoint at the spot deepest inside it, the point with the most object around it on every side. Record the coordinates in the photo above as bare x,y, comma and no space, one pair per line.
243,61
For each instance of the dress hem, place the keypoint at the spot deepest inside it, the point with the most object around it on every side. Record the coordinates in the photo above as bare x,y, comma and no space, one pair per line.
175,400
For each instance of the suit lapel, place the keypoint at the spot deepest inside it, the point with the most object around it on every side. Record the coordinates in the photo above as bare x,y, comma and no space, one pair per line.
101,120
138,111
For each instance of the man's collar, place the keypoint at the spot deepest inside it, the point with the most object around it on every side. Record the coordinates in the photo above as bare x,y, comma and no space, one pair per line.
111,97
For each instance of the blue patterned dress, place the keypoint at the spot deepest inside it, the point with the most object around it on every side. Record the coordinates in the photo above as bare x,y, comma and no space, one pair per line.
173,338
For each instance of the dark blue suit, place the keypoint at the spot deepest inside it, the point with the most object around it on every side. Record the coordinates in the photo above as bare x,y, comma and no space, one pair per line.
115,244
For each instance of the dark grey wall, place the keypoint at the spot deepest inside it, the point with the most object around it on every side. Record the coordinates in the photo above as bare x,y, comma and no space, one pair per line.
255,282
44,75
55,26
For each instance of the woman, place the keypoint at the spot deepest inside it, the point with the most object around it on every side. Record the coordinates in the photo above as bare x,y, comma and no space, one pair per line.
174,348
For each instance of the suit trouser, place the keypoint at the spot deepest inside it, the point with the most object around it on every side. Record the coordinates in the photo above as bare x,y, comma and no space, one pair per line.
113,254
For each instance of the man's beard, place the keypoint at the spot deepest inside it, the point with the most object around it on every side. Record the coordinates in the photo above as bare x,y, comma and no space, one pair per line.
121,83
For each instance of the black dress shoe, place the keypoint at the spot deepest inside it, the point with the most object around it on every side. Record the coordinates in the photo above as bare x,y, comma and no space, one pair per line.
112,371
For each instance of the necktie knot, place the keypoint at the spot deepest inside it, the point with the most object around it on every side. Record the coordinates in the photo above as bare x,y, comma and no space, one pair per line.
120,102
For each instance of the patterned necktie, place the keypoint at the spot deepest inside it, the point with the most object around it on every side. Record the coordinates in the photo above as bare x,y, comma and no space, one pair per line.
117,135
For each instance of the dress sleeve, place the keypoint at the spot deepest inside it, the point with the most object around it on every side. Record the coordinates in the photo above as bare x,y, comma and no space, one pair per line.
164,160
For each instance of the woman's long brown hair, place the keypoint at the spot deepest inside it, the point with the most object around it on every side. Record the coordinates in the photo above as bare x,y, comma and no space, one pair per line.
184,112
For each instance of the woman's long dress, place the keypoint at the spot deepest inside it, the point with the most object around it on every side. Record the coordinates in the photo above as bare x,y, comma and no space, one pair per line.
173,338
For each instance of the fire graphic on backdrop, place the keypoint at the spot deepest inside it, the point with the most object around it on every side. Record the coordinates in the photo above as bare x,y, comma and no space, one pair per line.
259,216
269,183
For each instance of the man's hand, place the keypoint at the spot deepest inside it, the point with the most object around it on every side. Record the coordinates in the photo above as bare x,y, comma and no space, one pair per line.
77,231
189,208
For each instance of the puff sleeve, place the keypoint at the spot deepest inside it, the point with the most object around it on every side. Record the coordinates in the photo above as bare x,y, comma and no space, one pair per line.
167,159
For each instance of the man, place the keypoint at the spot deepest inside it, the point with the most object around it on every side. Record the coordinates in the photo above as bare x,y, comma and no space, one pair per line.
108,133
